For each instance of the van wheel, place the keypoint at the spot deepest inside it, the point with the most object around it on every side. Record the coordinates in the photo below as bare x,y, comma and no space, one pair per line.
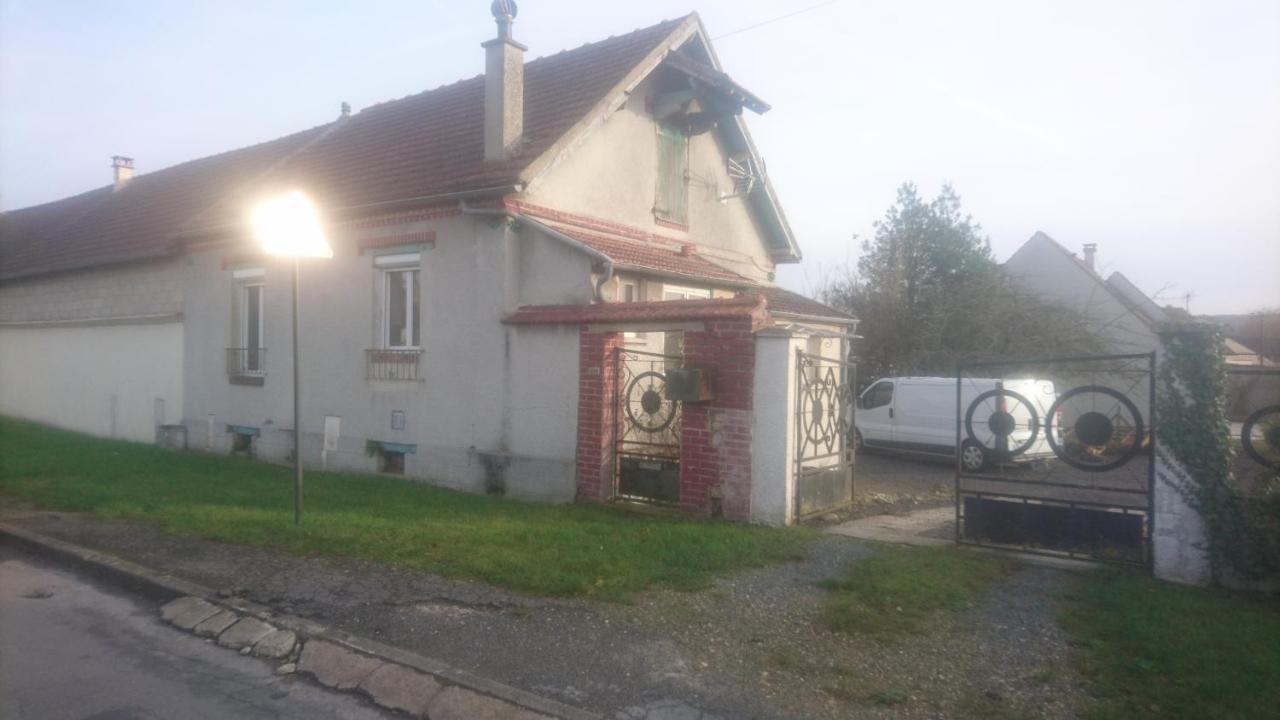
973,457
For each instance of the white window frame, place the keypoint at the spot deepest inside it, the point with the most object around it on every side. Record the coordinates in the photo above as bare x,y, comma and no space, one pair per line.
244,289
685,293
388,265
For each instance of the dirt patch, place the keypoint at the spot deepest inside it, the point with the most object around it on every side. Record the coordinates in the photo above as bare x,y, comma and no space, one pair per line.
750,646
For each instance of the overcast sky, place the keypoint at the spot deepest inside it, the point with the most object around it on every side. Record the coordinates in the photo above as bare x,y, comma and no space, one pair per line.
1149,127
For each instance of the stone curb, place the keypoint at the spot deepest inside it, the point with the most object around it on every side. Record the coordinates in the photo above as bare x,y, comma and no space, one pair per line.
459,689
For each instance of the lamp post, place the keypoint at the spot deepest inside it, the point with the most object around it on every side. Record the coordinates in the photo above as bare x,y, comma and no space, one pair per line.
289,226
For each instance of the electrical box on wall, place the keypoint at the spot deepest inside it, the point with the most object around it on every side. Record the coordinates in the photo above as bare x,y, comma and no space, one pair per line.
690,384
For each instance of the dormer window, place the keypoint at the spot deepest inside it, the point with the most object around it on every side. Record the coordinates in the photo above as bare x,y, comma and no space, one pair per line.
672,198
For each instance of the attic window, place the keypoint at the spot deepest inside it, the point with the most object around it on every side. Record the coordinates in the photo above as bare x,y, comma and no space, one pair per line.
671,202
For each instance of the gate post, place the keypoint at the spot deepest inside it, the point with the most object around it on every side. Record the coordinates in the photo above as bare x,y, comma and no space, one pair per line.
773,465
1180,545
716,436
597,409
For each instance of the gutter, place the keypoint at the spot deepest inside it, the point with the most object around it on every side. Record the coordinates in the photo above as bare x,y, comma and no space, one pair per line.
555,235
814,318
403,203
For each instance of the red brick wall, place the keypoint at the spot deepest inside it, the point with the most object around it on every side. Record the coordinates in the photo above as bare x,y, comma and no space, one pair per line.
715,436
596,410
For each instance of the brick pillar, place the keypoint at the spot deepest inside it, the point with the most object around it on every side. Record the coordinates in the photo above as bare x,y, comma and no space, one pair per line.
597,408
715,436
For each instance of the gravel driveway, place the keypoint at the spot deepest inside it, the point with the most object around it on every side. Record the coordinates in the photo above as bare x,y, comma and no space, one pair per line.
749,646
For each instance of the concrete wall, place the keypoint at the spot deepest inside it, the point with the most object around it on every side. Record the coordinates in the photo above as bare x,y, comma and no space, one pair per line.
116,381
495,406
143,289
611,174
98,351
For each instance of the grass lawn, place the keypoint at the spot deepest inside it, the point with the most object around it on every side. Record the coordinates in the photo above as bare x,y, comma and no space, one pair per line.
1151,649
528,547
899,588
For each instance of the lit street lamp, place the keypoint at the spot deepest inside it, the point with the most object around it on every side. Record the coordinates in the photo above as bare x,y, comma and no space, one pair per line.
289,226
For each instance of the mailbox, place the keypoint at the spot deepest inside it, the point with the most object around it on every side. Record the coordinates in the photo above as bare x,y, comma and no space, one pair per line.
689,384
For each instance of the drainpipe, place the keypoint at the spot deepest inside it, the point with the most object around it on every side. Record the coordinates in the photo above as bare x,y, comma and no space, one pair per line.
554,234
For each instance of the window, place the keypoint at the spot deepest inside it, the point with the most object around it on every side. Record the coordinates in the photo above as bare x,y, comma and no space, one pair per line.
251,324
672,198
402,325
675,292
879,395
629,291
246,359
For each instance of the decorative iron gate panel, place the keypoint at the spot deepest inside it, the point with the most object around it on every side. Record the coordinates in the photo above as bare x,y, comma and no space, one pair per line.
1253,411
1056,456
648,435
824,419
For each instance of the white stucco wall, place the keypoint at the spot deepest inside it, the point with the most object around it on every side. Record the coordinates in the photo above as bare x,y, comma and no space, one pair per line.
773,432
494,403
97,351
111,380
612,174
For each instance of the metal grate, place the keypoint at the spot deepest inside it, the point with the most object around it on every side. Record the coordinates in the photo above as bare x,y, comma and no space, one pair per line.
384,364
246,362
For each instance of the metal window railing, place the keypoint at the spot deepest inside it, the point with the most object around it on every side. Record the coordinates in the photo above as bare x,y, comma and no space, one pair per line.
246,362
386,364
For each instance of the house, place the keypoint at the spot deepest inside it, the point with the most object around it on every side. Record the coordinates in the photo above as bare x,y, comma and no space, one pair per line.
1112,307
526,265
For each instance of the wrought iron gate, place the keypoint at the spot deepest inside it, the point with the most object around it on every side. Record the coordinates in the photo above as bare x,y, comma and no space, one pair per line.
648,434
1056,456
824,420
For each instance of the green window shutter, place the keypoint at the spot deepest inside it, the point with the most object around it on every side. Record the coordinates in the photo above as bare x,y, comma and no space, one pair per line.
672,197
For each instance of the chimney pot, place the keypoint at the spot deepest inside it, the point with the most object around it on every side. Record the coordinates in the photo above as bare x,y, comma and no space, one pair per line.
121,170
1090,254
503,86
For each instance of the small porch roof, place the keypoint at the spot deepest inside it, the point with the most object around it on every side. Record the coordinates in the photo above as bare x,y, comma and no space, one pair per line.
647,312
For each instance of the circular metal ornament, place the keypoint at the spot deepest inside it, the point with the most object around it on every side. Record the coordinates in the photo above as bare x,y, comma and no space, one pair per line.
821,427
1095,429
1002,423
1271,437
651,404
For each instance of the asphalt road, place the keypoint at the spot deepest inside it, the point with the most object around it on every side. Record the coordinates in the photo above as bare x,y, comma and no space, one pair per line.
75,649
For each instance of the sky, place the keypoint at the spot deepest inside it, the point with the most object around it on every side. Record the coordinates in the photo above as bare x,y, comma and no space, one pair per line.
1149,127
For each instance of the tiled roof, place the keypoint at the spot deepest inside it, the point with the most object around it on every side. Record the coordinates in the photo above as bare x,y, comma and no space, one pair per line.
651,311
787,302
662,258
421,145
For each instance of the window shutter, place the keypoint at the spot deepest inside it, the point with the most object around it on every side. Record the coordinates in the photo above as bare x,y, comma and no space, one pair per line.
672,197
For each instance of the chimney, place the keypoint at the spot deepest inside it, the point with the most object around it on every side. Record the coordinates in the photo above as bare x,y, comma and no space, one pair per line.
121,170
1090,253
503,86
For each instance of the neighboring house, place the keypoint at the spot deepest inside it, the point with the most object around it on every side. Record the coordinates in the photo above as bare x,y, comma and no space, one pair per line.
1258,332
504,247
1113,307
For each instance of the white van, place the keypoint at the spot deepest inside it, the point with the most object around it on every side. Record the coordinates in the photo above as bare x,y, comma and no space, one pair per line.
918,414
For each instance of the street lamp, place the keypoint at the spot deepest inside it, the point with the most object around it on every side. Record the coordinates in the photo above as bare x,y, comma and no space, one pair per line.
289,226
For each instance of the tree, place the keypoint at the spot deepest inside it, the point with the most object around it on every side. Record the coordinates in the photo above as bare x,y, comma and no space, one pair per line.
929,294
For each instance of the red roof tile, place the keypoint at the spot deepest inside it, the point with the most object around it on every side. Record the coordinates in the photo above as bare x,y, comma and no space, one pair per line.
787,302
656,257
421,145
